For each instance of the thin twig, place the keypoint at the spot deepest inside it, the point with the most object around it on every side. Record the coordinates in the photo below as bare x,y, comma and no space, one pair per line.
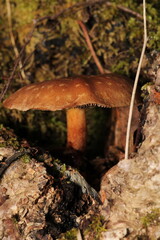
4,90
88,41
136,82
26,60
128,10
28,38
12,37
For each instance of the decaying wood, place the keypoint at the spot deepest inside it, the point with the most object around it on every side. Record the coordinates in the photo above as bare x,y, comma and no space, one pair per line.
39,200
130,190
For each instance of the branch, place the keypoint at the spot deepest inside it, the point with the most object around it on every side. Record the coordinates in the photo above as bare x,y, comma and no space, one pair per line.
136,81
127,10
28,38
88,41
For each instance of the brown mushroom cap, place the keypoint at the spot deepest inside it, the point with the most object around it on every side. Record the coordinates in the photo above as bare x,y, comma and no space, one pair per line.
109,90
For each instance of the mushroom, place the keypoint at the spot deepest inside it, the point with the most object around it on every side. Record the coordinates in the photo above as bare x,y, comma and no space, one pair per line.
73,93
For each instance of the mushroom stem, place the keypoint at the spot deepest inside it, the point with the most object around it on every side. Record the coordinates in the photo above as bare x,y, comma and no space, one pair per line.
76,128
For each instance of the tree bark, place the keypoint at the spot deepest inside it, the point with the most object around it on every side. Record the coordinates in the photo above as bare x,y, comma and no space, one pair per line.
39,198
130,190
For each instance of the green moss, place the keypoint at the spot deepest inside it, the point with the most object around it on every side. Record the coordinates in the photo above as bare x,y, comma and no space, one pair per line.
152,218
145,90
24,11
58,166
8,138
13,142
3,144
70,235
96,228
25,158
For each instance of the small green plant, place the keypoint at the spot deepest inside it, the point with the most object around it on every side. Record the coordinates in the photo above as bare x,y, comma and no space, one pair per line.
13,142
25,158
152,218
69,235
145,90
96,227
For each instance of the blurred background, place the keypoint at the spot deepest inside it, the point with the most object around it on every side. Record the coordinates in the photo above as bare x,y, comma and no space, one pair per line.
57,48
